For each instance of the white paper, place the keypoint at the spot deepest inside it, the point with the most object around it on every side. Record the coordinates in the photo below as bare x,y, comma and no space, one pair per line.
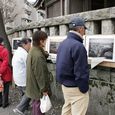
96,61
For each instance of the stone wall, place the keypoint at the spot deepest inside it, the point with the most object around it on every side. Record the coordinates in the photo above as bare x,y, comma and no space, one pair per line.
102,90
102,79
98,22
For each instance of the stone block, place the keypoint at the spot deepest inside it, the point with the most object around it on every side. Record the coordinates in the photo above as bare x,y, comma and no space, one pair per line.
35,30
91,28
108,27
29,33
63,30
24,34
20,34
43,29
112,12
53,31
16,34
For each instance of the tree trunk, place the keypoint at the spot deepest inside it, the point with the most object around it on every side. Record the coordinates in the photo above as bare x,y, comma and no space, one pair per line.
4,35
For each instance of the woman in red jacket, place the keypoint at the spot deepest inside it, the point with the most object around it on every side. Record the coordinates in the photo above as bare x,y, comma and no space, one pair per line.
5,74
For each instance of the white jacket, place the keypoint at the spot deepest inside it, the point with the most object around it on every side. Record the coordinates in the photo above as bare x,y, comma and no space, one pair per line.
19,66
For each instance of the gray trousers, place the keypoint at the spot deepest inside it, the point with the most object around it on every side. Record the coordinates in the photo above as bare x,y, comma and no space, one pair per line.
24,102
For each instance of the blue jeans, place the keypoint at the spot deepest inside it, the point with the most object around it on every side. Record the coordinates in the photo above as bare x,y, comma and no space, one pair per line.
24,102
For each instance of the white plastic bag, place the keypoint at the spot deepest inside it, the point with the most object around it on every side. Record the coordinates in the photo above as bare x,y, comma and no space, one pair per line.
45,104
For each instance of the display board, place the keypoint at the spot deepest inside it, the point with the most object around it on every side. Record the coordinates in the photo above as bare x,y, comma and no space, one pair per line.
52,45
15,43
101,46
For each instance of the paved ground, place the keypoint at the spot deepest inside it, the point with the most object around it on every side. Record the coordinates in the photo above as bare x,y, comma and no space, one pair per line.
7,111
14,99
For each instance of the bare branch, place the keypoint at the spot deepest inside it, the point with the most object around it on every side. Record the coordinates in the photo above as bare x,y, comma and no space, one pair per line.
7,8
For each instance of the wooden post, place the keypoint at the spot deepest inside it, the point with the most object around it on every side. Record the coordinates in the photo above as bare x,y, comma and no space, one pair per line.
66,10
61,4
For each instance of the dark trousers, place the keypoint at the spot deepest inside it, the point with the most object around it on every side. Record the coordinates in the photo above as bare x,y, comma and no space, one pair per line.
36,108
4,95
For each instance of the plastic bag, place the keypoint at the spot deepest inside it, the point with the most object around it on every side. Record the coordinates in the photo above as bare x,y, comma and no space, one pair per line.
45,104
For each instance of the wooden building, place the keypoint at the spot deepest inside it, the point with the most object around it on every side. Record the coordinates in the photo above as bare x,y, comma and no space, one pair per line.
56,8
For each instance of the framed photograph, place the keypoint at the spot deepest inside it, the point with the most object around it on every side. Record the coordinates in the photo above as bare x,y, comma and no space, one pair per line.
52,46
101,46
15,43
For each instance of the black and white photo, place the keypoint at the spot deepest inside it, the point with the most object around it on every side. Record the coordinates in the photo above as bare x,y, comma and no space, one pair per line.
100,46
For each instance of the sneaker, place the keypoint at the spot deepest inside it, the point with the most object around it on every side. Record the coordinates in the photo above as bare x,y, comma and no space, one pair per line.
17,111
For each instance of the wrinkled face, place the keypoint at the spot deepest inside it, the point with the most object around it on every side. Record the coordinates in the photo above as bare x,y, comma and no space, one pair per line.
82,30
27,46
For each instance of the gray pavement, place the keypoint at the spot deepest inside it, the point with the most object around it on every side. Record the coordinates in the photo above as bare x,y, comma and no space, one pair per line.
14,98
7,111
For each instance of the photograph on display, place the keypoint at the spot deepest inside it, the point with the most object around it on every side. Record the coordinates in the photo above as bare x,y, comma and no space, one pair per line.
54,47
100,46
15,42
54,42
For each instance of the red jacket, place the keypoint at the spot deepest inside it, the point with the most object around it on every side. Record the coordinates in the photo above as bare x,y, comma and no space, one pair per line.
5,69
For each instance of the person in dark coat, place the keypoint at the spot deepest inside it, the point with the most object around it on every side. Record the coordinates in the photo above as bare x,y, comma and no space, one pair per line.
5,74
72,70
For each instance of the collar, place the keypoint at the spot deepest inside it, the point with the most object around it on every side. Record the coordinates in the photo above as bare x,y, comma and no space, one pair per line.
75,35
78,34
22,48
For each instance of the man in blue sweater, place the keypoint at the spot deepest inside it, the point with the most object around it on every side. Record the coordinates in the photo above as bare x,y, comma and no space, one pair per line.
72,70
